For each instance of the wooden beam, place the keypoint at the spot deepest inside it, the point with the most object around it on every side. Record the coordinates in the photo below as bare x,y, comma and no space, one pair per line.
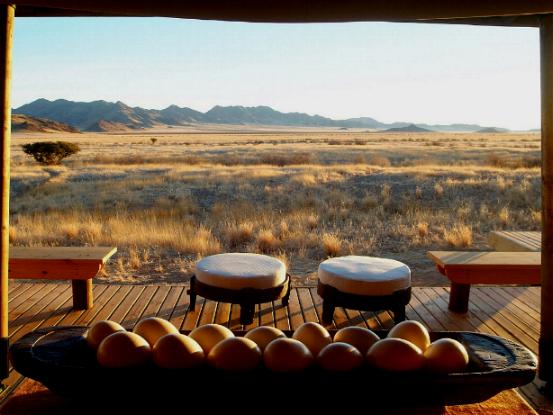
504,12
6,32
546,335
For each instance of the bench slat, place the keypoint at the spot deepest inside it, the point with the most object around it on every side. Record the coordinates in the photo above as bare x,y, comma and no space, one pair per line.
466,268
53,269
93,253
515,241
78,264
489,267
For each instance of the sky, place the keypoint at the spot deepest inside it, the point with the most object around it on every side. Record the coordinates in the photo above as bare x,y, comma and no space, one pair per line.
423,73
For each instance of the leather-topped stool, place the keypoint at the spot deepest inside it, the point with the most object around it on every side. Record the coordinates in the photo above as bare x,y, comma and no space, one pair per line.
240,278
364,283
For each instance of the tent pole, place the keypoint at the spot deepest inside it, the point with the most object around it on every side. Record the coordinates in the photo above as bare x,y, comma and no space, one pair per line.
6,32
546,331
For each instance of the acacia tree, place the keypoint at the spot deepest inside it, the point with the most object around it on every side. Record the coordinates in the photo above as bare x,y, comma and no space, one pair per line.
50,152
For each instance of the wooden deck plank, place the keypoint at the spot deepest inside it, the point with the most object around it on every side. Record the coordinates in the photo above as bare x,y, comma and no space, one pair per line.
519,305
208,313
266,315
167,307
154,306
58,299
123,308
222,314
88,316
256,319
521,319
281,316
502,317
447,318
294,310
527,294
511,312
500,325
41,311
472,318
234,318
16,289
424,314
24,306
24,294
191,320
356,319
137,309
72,315
107,311
36,310
340,318
181,308
306,303
384,317
317,302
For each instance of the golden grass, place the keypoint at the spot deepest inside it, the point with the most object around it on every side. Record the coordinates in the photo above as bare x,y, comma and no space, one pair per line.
332,245
267,242
303,196
460,236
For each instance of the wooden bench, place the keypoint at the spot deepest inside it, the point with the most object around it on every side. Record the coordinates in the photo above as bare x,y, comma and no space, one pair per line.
466,268
78,264
515,241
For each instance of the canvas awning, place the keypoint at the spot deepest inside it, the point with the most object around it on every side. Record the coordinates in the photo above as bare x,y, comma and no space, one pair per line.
536,13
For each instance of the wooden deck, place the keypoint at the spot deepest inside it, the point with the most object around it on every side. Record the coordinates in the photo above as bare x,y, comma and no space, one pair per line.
511,312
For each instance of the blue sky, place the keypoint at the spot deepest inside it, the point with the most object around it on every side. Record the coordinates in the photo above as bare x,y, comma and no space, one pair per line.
392,72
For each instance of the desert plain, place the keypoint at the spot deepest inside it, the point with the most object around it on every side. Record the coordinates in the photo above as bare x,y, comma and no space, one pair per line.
166,198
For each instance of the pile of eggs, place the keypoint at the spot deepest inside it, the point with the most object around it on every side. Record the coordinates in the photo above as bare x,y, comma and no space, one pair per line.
406,348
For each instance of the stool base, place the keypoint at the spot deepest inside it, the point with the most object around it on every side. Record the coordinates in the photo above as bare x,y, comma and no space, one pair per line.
246,297
333,298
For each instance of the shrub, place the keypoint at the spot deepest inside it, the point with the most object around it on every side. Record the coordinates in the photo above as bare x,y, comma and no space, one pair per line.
50,152
380,161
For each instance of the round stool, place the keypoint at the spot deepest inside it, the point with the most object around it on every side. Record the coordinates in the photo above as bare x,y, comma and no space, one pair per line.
364,283
240,278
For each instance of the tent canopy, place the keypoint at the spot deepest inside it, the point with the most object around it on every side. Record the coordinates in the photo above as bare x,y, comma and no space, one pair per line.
485,12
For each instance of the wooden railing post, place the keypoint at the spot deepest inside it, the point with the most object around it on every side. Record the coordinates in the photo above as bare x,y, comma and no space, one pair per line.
546,333
6,32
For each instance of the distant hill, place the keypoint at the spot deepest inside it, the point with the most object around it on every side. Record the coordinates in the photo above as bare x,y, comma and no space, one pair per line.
26,123
411,128
492,130
117,116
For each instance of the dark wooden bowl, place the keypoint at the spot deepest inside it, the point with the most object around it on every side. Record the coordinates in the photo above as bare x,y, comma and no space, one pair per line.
60,358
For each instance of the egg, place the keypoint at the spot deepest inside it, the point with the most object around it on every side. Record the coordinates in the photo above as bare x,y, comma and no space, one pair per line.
314,336
235,353
122,350
209,335
340,357
359,337
446,356
100,330
177,351
287,355
412,331
264,335
152,328
394,354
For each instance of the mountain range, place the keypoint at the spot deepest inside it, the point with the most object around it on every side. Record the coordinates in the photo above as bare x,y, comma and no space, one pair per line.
106,116
39,125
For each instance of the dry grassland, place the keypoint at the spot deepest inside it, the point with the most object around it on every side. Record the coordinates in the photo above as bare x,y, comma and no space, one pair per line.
301,196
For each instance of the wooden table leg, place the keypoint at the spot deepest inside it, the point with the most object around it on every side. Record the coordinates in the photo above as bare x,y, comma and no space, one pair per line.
459,297
82,294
